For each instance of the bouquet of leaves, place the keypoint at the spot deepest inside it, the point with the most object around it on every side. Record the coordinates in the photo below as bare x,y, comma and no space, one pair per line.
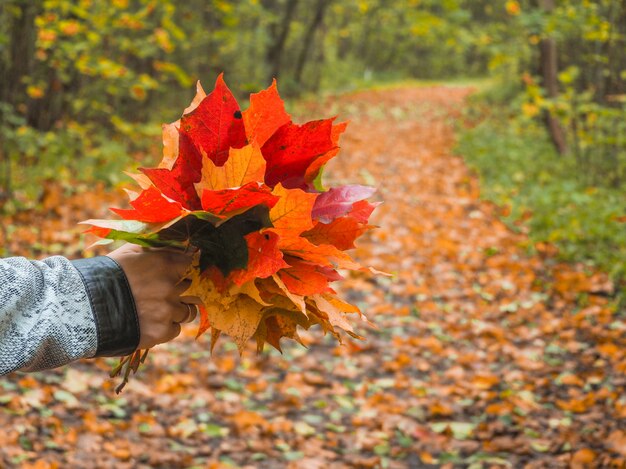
243,191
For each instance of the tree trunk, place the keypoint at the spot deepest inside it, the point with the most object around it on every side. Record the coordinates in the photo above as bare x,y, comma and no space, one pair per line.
308,38
320,58
275,52
549,72
22,36
16,65
615,50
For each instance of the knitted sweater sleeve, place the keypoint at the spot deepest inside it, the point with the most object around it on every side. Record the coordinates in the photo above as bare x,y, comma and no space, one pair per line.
56,311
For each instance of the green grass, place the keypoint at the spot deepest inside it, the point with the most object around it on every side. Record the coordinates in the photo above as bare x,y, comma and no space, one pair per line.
519,169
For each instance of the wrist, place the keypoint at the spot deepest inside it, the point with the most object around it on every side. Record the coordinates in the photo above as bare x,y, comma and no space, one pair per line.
112,304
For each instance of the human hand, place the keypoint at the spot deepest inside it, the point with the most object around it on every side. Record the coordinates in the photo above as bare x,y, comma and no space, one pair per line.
155,276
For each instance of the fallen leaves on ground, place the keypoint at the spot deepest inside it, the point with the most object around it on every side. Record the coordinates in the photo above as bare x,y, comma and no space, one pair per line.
484,355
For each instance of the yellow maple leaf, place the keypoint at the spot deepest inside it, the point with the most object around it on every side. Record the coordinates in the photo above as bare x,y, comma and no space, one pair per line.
240,320
244,165
291,215
336,311
297,300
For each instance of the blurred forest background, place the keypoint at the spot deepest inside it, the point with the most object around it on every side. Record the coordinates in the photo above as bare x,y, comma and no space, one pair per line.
84,85
497,344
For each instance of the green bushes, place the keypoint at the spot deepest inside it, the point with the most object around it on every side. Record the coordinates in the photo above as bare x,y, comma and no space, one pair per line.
550,194
68,154
551,143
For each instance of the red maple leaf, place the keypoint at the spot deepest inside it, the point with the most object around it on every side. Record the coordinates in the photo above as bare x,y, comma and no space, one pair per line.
216,124
315,167
151,207
264,258
178,183
341,232
230,201
292,149
265,115
305,278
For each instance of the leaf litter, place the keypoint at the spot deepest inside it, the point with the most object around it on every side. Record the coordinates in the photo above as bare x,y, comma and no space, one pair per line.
483,356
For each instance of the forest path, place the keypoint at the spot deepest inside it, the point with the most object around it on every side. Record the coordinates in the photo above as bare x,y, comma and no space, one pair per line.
484,355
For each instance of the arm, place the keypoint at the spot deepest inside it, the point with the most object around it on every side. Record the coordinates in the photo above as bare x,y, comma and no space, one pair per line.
55,311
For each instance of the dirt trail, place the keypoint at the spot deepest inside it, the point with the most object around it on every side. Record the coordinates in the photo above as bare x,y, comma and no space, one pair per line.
484,355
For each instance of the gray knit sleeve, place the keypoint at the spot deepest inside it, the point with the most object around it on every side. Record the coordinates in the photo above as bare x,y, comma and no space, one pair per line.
45,315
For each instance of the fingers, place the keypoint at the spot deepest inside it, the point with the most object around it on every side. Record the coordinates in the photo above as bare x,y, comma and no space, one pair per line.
190,300
182,312
158,333
178,262
173,332
180,288
177,294
193,312
155,277
172,263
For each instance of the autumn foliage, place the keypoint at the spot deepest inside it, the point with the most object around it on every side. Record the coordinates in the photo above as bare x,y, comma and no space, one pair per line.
242,190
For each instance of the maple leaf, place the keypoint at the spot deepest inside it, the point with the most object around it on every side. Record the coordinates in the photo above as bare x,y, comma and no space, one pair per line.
338,201
292,149
323,254
278,323
232,201
244,165
151,206
305,278
222,246
210,125
204,288
336,311
314,170
239,320
178,183
236,188
292,214
340,233
265,115
132,231
225,246
264,258
216,124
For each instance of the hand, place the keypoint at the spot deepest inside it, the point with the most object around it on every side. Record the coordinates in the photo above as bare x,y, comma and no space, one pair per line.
155,276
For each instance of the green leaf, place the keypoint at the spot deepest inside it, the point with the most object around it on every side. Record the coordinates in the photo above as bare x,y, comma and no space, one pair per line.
304,429
151,240
317,182
215,431
127,226
66,397
293,455
460,430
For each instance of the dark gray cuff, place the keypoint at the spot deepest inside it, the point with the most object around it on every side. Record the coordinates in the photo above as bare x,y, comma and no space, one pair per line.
113,305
